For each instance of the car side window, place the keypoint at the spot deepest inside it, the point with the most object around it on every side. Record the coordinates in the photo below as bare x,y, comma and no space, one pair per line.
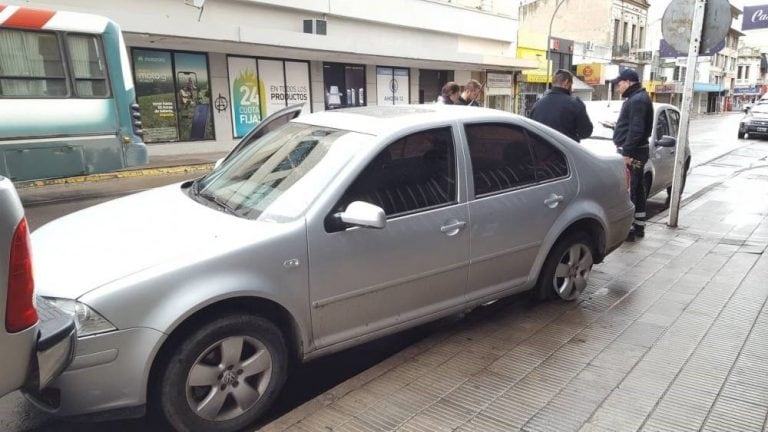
501,157
414,173
662,125
549,161
674,122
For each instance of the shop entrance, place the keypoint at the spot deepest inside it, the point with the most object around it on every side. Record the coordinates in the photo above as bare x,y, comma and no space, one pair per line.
431,82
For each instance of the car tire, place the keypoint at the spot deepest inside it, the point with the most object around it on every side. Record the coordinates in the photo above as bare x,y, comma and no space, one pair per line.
741,135
565,273
224,375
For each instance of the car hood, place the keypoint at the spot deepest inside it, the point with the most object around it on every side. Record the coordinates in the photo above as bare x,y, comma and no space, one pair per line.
92,247
757,116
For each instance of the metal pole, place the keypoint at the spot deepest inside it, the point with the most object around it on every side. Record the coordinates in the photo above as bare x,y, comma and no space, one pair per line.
549,41
685,115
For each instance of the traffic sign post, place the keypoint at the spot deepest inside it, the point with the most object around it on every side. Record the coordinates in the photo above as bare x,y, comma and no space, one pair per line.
705,28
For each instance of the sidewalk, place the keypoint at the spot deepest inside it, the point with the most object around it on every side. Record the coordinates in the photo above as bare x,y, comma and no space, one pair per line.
671,334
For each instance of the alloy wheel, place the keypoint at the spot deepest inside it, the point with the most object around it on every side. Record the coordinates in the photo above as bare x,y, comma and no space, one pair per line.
572,271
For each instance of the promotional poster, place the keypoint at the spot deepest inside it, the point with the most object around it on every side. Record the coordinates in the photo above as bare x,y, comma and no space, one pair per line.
155,94
193,97
245,90
392,86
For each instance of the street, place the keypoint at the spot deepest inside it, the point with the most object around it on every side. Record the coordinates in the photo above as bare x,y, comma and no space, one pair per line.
712,137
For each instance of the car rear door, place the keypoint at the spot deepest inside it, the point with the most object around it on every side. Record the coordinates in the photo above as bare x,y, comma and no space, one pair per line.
521,184
365,280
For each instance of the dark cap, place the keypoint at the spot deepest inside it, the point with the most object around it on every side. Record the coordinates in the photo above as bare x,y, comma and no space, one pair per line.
626,75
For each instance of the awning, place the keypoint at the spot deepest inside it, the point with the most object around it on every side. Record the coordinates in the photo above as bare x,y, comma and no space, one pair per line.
702,87
579,85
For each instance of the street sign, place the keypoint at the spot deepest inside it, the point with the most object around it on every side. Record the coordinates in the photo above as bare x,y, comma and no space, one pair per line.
678,19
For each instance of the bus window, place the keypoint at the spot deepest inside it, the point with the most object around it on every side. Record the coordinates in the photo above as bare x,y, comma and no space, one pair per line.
88,66
67,98
31,65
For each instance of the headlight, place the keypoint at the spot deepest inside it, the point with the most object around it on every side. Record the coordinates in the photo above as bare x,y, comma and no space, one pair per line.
746,121
88,321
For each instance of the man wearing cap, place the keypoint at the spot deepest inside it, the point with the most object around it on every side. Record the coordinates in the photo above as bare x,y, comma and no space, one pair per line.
630,135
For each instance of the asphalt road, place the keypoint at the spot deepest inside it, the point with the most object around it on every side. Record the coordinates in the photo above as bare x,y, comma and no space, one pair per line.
710,137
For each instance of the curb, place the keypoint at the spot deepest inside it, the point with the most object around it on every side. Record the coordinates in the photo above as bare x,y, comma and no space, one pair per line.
146,172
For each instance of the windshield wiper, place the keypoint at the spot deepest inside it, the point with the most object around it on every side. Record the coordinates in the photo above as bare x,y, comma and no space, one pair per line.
216,200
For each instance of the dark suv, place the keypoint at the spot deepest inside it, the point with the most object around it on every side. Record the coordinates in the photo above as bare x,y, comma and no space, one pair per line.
755,122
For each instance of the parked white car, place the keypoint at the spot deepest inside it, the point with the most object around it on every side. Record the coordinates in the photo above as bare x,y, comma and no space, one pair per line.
662,145
326,232
37,340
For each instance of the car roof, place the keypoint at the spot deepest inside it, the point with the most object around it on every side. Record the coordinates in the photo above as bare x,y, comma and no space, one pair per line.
378,120
616,104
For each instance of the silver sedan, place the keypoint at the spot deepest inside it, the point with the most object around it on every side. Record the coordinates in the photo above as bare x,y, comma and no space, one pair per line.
323,233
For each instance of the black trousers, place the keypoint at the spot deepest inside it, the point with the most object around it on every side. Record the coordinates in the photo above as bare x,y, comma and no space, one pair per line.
637,193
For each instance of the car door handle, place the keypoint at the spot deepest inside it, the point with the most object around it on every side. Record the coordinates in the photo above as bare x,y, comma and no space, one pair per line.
453,227
553,200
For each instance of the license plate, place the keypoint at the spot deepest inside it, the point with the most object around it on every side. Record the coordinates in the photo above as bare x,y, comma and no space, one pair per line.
762,129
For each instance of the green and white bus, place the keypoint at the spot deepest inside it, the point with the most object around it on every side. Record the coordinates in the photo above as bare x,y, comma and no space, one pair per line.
67,99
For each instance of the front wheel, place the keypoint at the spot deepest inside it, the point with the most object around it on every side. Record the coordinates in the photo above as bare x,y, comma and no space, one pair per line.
224,375
566,271
741,135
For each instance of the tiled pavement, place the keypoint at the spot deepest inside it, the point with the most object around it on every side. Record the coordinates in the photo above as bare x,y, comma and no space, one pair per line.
670,335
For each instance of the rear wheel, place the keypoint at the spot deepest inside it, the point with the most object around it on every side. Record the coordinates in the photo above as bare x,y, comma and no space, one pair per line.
566,271
224,375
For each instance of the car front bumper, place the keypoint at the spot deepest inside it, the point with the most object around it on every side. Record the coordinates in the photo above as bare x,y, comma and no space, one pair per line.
109,372
754,129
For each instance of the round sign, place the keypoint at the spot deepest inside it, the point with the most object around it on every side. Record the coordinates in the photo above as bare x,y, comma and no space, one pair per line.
587,71
678,20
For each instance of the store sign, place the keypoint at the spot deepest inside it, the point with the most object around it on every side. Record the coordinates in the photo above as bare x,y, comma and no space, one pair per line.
667,88
155,94
746,90
392,86
755,17
245,89
499,80
591,73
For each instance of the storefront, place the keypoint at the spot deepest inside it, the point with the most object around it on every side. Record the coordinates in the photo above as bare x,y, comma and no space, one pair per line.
499,90
743,96
393,85
344,85
666,93
533,82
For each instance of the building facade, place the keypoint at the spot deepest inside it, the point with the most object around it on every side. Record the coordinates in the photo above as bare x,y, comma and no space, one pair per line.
607,35
751,74
246,59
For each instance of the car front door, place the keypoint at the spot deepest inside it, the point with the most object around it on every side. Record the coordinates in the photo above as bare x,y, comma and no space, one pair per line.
366,280
663,157
521,185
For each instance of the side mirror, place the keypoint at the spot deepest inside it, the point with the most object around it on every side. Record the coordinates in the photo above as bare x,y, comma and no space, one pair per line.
218,163
363,214
667,141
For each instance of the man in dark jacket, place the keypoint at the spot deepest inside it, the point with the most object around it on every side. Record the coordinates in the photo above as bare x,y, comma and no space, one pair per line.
470,94
631,133
561,111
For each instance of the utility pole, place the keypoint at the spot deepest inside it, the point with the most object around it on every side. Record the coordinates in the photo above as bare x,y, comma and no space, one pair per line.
549,41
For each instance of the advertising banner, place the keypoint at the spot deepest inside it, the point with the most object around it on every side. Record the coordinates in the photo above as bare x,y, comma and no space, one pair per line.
245,88
153,71
271,76
392,86
297,83
193,97
755,17
590,73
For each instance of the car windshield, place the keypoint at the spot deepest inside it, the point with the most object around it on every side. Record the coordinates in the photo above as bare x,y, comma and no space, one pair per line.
278,176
